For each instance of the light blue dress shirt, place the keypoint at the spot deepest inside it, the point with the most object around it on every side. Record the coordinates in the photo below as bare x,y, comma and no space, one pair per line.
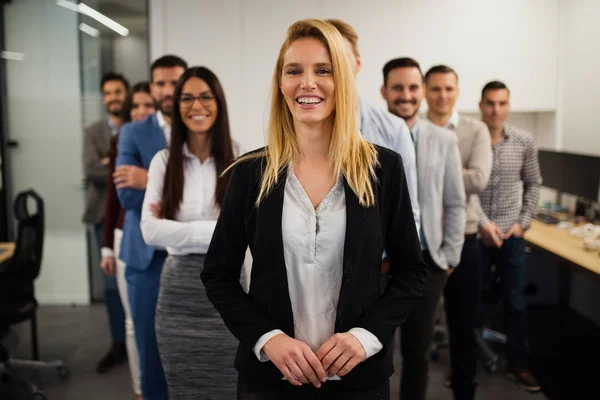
383,128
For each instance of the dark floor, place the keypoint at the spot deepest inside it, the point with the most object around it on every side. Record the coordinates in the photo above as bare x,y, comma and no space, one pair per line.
79,335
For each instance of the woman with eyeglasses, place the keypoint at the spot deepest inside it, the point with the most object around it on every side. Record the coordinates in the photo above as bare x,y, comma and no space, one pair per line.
318,206
181,206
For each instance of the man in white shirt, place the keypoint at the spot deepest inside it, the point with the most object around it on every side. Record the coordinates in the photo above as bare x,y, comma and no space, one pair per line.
463,289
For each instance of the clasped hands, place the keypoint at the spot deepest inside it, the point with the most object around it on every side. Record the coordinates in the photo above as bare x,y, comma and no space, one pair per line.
299,365
493,236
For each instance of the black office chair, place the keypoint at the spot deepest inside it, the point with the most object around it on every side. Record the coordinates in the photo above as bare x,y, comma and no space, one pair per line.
17,296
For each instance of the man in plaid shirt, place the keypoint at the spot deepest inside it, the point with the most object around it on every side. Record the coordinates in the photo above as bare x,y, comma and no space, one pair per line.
504,213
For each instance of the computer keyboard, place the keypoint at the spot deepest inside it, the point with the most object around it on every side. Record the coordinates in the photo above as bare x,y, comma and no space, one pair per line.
546,218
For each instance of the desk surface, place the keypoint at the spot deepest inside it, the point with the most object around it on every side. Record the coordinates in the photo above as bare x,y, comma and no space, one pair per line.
7,251
563,244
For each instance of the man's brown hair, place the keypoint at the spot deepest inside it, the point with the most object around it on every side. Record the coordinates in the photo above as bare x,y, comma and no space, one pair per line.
347,32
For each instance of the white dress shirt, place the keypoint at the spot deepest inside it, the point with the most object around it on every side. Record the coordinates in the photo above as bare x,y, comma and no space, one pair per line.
165,126
313,245
196,218
453,120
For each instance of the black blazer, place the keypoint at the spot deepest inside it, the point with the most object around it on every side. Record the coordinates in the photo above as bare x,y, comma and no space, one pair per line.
388,224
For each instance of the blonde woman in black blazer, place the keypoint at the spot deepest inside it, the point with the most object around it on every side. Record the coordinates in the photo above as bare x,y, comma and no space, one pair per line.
317,207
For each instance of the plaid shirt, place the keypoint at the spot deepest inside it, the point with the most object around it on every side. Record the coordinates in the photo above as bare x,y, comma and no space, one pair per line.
513,190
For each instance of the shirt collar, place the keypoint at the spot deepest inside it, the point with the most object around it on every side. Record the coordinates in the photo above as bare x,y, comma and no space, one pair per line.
113,128
161,120
187,153
453,121
414,131
506,131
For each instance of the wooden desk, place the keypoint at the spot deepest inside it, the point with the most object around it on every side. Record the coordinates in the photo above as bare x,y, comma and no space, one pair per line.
561,243
9,249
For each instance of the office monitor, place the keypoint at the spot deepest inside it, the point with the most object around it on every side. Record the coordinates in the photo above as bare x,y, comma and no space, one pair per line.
576,174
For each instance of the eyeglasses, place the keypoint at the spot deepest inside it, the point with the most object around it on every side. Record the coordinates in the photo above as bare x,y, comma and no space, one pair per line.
187,100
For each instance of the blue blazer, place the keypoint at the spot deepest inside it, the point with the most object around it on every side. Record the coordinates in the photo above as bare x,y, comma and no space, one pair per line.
138,142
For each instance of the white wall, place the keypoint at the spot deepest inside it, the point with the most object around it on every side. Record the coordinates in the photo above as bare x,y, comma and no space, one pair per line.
580,86
481,39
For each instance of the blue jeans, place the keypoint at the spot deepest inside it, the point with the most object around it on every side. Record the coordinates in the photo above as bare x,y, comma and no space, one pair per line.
114,307
510,265
143,288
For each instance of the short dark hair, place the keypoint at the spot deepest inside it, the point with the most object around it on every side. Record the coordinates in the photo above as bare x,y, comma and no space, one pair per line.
167,61
440,69
493,85
403,62
113,76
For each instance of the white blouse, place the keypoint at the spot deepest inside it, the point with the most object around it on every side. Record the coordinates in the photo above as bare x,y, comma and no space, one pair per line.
313,244
196,218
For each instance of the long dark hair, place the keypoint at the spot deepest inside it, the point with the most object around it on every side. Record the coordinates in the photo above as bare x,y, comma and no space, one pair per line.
128,105
126,112
220,142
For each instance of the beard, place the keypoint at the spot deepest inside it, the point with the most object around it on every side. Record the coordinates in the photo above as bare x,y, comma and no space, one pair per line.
405,116
166,109
115,108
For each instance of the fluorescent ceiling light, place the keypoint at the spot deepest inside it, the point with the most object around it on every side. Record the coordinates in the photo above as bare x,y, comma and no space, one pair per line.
90,12
103,19
89,30
11,55
67,4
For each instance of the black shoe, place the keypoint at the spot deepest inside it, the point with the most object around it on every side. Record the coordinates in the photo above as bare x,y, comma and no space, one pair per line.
523,378
117,354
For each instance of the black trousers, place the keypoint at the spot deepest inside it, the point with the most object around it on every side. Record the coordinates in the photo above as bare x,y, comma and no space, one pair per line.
462,298
330,390
416,334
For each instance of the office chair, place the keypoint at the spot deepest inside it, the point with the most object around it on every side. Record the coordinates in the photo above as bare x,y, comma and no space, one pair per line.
17,296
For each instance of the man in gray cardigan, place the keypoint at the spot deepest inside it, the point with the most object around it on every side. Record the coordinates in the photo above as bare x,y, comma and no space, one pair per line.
96,147
463,289
442,202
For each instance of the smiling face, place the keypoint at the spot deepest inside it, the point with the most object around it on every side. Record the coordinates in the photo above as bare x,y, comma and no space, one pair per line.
307,82
441,91
114,93
403,92
197,106
141,106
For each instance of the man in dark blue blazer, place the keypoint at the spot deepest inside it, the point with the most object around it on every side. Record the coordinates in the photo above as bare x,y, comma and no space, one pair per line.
138,143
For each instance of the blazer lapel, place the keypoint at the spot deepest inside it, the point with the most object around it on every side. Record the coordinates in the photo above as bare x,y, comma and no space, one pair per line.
269,216
423,156
105,137
355,215
158,135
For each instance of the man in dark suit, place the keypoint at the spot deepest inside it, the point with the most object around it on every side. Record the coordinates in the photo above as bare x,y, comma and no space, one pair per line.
138,142
96,146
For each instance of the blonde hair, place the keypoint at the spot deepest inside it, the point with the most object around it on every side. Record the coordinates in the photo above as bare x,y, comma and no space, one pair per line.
351,156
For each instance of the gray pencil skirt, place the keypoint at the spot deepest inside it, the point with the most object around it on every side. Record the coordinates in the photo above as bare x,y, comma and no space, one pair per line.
196,349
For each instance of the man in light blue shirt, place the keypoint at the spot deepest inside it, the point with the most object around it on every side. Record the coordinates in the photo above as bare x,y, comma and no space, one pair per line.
380,127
